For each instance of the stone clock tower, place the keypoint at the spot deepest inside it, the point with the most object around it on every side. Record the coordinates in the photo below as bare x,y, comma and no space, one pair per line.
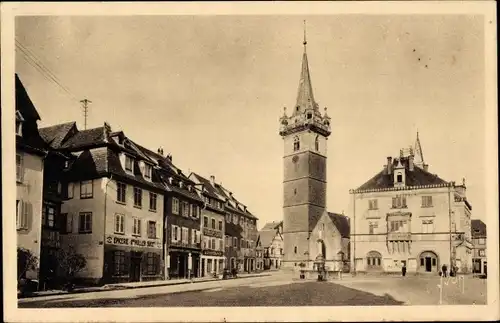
304,134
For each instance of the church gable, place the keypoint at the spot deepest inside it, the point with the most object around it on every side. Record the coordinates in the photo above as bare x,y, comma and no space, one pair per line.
325,237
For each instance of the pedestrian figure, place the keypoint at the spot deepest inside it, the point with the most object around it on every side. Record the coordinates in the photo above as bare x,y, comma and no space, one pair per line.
403,270
444,268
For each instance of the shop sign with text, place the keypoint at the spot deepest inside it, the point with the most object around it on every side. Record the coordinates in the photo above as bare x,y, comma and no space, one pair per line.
133,242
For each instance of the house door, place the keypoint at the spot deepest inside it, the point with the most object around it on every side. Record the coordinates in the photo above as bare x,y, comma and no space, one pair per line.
135,269
428,264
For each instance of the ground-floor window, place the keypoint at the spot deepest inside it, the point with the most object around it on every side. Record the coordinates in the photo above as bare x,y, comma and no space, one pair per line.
374,260
119,263
152,263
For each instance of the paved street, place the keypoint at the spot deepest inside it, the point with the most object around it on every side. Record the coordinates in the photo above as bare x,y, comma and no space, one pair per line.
277,290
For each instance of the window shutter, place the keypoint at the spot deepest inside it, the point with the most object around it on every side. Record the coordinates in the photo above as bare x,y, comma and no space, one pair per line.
26,214
19,218
69,223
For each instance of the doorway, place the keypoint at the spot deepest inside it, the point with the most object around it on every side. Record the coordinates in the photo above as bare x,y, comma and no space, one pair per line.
135,268
428,264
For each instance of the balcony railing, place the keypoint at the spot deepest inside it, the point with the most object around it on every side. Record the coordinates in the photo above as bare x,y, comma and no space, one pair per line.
394,236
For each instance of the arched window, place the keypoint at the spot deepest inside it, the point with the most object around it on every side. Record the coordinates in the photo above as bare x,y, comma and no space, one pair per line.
374,260
316,143
296,143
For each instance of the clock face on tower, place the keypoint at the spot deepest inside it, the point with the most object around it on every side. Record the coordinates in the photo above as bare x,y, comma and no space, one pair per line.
295,159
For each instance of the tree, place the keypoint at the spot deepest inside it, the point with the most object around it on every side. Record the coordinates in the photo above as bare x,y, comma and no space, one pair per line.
26,261
70,263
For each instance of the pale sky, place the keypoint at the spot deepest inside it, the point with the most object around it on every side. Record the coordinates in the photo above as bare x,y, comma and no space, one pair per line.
210,91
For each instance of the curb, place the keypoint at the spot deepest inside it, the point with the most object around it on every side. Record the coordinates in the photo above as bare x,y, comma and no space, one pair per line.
83,291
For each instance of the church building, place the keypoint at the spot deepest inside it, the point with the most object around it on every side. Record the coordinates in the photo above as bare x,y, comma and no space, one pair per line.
305,133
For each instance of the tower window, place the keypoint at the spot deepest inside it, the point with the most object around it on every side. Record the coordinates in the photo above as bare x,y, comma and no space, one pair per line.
295,249
295,191
296,144
316,143
297,108
309,115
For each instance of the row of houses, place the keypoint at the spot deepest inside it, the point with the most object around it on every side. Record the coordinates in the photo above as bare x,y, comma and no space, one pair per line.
130,211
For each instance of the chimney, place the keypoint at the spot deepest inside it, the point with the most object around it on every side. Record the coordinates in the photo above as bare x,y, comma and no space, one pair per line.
160,151
426,167
410,163
212,180
389,165
169,157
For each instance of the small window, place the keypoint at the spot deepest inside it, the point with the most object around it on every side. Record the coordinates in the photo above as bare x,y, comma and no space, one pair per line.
316,143
129,163
86,189
426,201
213,223
309,115
71,190
295,249
152,262
296,143
137,197
148,170
482,253
152,201
136,229
220,225
151,229
399,178
373,204
85,223
205,222
50,219
185,209
119,223
19,168
65,223
121,192
175,205
434,261
482,241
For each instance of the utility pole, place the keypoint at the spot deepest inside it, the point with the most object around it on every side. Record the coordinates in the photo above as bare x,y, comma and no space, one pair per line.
85,104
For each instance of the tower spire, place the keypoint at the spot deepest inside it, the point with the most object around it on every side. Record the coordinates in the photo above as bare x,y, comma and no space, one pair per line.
419,155
305,96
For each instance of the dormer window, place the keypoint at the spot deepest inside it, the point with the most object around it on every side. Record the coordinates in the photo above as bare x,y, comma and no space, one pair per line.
170,180
120,140
399,178
181,184
129,163
148,171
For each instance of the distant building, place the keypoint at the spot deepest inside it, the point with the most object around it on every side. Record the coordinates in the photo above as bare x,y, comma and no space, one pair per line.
479,241
406,216
271,241
305,133
31,151
113,212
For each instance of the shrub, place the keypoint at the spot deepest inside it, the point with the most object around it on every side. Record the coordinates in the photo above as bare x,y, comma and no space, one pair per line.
70,263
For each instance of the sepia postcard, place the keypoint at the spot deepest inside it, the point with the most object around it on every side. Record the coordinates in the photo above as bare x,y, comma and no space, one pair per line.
249,161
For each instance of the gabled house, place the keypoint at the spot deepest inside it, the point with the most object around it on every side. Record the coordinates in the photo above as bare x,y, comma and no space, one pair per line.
113,209
479,259
31,152
182,218
212,225
270,240
407,216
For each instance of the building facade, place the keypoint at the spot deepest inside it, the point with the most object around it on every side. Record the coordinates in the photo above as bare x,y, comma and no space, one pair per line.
30,154
406,216
271,241
212,226
305,133
113,212
479,260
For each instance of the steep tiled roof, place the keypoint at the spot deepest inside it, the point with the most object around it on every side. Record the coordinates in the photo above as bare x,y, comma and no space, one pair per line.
227,195
85,138
24,103
417,177
55,135
342,223
271,226
209,189
266,237
478,228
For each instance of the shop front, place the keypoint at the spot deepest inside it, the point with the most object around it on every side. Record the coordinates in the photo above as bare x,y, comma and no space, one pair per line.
131,259
212,261
182,263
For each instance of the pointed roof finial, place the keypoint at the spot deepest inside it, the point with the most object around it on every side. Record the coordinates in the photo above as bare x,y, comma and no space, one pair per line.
305,38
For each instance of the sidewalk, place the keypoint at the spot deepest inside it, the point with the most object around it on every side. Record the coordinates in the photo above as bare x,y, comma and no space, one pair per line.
135,285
